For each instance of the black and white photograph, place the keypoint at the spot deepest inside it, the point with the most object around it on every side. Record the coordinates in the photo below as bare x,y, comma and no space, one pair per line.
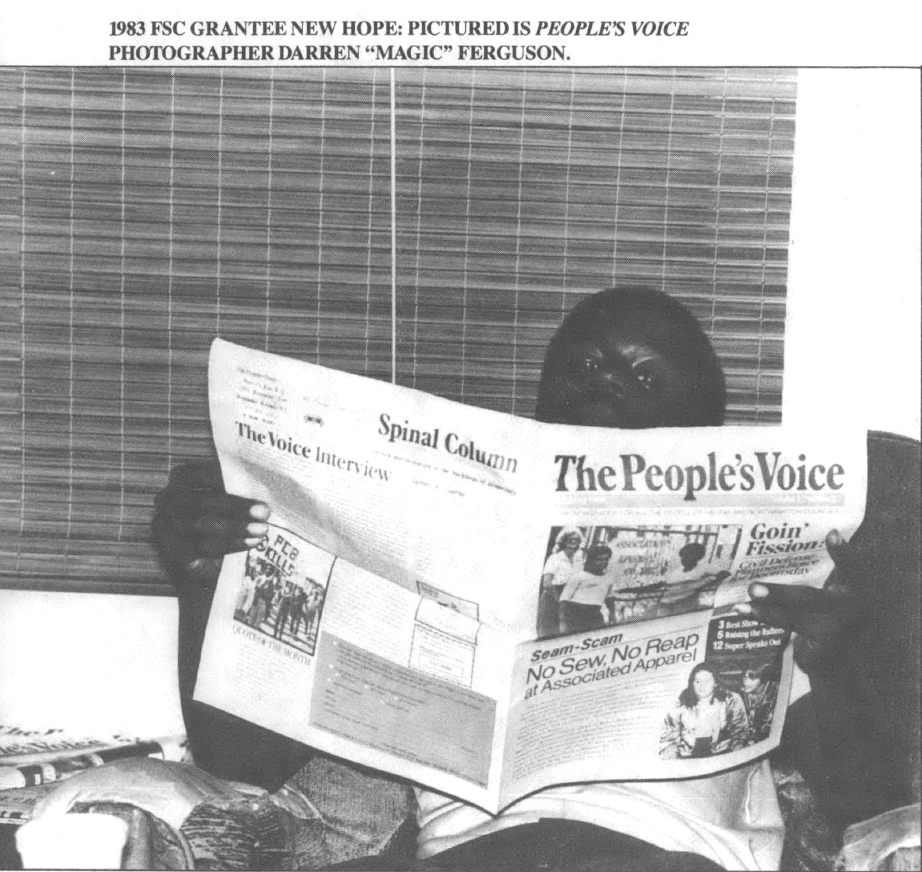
282,590
711,717
728,703
639,236
708,718
649,572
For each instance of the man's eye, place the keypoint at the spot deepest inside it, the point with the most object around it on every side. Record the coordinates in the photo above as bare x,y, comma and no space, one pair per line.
647,380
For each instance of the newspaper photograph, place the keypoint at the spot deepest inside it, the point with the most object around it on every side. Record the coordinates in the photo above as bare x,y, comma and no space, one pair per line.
489,605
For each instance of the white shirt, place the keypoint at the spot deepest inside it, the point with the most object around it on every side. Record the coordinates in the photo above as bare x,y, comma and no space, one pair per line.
732,817
586,588
562,568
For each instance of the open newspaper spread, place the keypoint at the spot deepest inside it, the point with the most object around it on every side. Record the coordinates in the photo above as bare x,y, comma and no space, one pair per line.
488,605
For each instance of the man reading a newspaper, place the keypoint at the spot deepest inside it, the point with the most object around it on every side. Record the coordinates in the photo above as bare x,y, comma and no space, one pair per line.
624,358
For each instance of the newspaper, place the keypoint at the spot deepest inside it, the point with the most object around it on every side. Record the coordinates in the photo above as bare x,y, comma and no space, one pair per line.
33,757
414,607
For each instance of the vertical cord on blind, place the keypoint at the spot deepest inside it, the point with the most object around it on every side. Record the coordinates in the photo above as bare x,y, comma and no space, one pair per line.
269,211
768,176
614,253
22,325
664,259
566,191
70,325
419,220
220,223
465,278
720,156
169,280
368,239
518,242
321,186
393,167
121,324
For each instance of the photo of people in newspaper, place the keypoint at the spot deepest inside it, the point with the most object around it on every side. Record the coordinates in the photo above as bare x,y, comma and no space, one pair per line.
759,692
282,591
722,708
728,699
596,576
709,718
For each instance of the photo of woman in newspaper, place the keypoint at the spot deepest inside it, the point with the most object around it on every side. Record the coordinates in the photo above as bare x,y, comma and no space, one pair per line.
651,572
283,588
709,719
565,560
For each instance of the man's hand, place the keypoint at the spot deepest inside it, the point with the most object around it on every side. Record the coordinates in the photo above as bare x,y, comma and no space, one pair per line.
196,522
165,789
822,618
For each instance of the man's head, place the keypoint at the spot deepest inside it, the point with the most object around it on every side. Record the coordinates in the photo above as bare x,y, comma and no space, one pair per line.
631,357
756,676
597,558
691,555
257,568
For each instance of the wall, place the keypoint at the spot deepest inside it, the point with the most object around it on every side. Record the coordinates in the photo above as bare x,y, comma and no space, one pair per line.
852,352
88,662
852,341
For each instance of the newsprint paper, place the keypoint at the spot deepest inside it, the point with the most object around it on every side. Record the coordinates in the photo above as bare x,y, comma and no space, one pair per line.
487,605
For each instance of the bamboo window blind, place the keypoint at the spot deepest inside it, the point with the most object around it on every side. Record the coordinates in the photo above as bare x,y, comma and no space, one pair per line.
144,211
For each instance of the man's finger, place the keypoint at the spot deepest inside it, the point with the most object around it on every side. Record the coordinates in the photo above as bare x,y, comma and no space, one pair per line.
259,511
837,602
843,557
776,617
811,654
218,526
190,504
793,597
818,613
213,547
822,627
225,519
198,487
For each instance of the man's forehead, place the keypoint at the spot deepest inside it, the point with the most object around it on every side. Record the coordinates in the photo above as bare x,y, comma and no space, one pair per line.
627,324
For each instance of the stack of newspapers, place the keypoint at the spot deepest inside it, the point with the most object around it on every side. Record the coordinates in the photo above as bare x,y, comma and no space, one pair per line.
29,758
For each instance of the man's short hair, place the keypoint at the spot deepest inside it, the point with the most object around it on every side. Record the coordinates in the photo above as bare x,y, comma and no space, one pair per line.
673,331
692,549
598,551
